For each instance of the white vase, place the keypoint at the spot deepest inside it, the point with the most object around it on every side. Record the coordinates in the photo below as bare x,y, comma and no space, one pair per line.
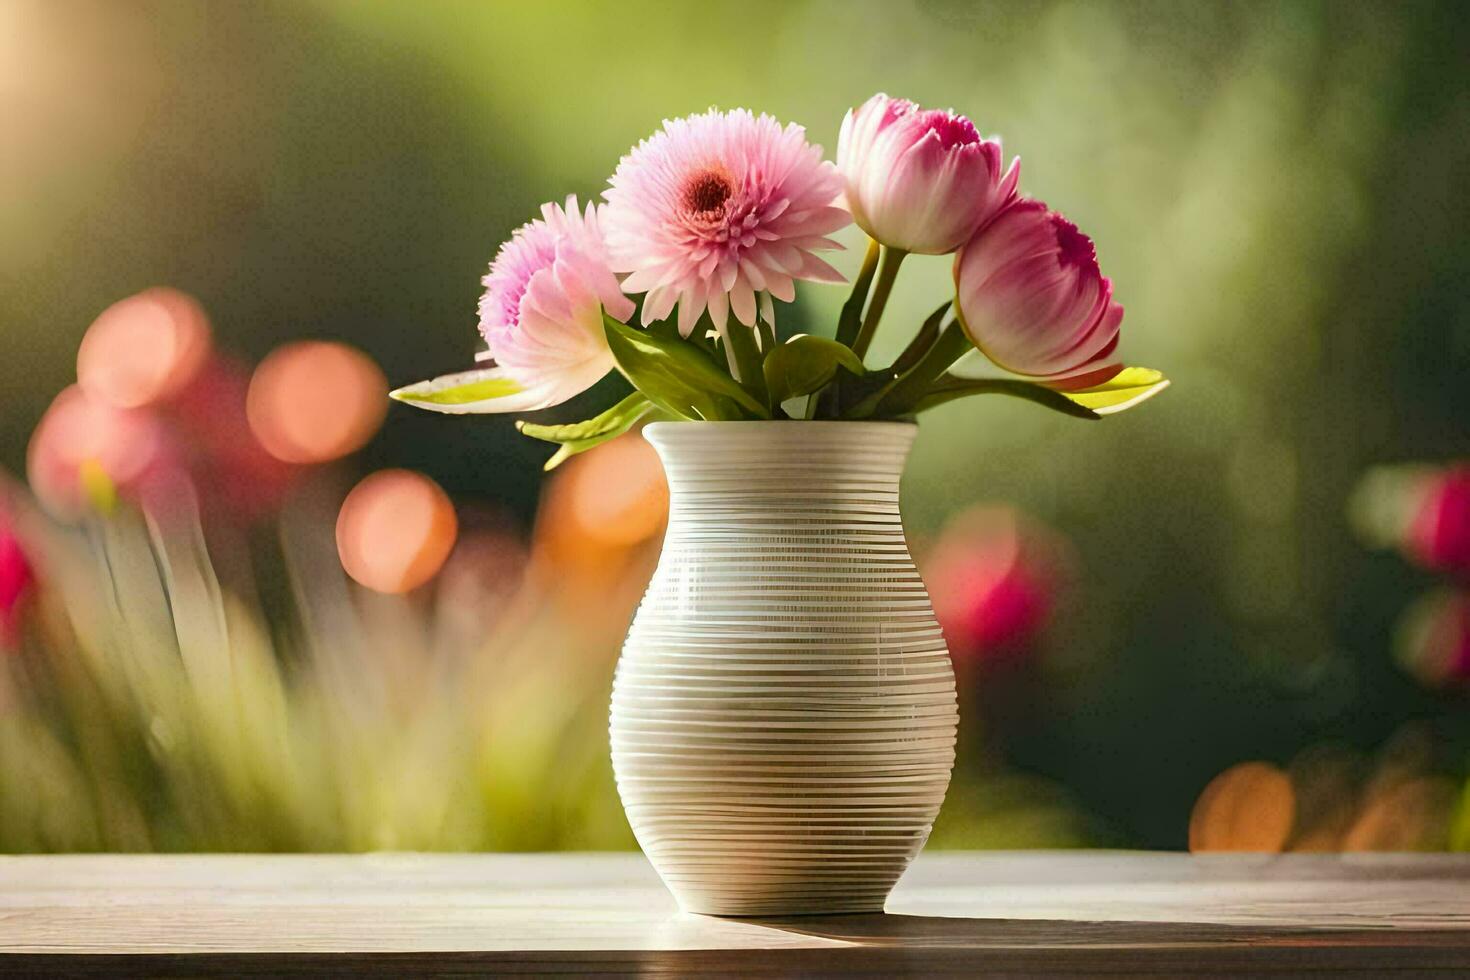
783,719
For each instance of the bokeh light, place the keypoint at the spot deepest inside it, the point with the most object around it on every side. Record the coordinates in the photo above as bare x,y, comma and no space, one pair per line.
1248,807
598,529
616,494
143,348
1404,815
395,530
1325,783
315,401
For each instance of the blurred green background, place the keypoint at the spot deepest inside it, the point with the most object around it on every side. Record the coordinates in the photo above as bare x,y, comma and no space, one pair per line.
1276,189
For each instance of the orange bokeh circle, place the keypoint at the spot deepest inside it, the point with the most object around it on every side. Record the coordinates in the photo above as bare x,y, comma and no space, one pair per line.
1248,807
144,348
395,530
314,401
616,494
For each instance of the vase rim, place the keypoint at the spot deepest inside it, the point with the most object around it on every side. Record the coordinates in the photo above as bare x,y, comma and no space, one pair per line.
850,439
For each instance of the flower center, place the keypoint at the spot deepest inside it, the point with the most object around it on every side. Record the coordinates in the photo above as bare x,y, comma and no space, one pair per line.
1074,249
707,191
951,129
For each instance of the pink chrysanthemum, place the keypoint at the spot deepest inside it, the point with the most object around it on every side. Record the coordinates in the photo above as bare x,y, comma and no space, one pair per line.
541,314
721,211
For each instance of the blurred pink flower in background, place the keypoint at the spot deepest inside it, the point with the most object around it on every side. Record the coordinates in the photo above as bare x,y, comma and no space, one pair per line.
158,416
84,452
236,477
994,579
485,573
920,180
1030,295
1434,640
16,579
719,211
1438,536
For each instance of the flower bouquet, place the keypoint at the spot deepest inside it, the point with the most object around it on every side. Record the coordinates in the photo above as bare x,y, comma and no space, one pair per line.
783,718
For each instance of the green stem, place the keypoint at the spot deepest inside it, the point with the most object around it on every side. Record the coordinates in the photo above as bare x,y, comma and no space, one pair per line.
852,310
951,345
887,273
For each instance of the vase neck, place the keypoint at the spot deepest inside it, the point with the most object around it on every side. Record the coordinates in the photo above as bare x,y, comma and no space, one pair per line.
813,473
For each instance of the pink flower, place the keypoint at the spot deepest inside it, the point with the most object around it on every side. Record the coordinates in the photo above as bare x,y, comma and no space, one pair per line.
1030,296
85,449
920,180
721,211
993,579
1433,641
235,478
541,314
15,579
541,317
1439,534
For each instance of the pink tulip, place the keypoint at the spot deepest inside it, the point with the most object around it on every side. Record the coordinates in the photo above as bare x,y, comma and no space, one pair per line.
15,580
920,180
1439,535
1030,296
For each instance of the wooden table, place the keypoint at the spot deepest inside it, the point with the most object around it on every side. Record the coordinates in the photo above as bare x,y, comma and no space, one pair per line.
1051,912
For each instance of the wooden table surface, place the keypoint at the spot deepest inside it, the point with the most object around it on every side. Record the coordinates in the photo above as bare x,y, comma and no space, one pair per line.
1050,912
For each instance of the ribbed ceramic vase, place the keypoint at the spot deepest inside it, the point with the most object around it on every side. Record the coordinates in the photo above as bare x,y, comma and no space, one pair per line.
783,719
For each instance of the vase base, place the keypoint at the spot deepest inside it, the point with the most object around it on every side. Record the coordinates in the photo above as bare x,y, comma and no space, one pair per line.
761,910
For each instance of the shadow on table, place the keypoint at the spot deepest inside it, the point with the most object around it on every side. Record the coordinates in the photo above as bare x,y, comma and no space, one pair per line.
933,931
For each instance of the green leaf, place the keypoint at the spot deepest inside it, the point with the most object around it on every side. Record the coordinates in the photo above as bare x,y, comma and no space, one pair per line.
461,394
677,376
949,387
923,340
851,392
872,402
805,364
1127,388
485,390
578,437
